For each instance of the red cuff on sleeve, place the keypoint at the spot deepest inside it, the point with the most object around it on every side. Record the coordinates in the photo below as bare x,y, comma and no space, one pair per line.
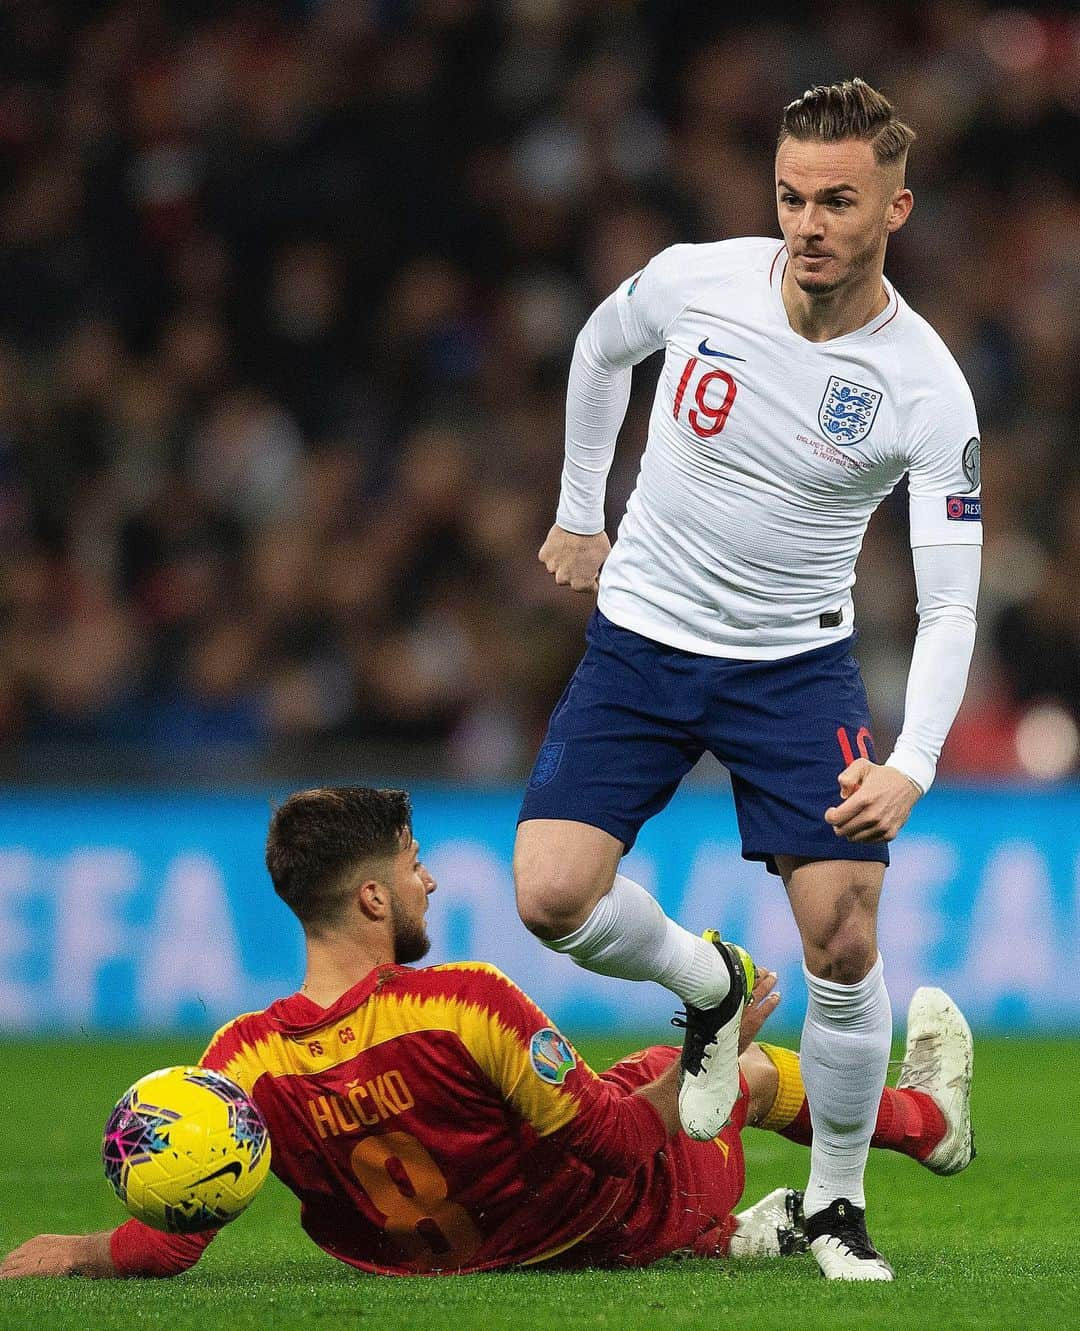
138,1250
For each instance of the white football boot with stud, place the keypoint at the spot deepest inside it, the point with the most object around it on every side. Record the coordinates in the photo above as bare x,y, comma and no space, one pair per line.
938,1060
839,1241
771,1227
709,1067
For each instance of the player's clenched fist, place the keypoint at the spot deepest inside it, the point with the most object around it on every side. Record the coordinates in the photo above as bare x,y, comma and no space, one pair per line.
574,560
875,802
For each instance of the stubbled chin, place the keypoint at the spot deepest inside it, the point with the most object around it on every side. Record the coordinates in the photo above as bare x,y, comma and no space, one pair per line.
814,284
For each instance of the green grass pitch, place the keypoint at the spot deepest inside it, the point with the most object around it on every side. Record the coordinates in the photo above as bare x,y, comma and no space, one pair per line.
998,1246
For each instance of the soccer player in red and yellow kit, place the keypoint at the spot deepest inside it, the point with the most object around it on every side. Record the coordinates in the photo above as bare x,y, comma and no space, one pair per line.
433,1120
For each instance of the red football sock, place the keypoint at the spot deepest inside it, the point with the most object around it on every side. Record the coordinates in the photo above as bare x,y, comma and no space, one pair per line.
908,1121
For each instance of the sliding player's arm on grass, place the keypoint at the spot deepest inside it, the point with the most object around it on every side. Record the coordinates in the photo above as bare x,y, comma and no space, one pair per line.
131,1249
61,1255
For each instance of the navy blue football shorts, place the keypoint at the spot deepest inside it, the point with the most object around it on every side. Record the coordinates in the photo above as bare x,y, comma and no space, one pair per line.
637,715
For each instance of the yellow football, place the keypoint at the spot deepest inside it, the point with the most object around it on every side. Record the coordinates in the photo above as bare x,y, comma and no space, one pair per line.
186,1149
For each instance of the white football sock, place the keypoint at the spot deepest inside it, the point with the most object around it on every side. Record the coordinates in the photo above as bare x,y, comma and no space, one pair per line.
629,936
843,1056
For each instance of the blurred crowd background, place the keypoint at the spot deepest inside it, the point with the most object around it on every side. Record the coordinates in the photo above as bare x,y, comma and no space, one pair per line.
288,297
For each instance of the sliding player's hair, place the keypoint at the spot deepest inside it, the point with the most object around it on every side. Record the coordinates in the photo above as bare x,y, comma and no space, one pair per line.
848,110
319,840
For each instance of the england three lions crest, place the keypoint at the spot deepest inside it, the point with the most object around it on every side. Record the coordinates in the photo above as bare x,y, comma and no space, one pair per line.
847,411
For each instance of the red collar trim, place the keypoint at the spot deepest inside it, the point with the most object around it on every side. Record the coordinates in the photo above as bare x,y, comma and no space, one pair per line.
299,1015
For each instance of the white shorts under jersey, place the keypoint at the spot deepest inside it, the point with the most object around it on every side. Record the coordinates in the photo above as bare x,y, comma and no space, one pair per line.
766,455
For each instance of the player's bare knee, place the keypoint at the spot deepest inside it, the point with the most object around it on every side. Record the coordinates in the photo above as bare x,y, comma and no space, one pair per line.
545,919
551,901
844,948
844,958
560,874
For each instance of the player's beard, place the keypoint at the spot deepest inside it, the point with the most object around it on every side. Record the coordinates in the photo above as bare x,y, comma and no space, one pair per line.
859,264
411,942
818,288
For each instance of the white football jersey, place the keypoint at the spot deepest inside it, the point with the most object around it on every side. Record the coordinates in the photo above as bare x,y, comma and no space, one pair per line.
766,455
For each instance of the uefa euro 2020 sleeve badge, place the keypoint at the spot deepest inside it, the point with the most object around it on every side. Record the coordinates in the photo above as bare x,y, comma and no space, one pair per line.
551,1056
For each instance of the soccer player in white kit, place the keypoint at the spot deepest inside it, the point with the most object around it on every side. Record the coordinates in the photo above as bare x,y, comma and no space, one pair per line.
797,389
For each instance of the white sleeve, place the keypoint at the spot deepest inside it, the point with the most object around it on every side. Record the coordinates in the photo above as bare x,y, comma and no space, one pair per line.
947,579
945,503
630,325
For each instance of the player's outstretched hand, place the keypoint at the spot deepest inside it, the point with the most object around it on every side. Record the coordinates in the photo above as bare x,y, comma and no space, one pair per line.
575,561
60,1255
875,802
759,1010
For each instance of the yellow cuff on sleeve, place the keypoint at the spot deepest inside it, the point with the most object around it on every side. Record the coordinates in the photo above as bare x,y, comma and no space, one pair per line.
790,1093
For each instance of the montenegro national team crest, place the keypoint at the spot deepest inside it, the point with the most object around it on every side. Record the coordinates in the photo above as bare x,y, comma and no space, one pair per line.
551,1056
847,411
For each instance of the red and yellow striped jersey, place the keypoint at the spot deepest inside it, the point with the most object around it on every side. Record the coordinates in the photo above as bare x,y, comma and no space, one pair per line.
432,1120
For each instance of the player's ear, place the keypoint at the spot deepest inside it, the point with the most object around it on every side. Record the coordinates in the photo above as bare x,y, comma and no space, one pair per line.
900,207
373,898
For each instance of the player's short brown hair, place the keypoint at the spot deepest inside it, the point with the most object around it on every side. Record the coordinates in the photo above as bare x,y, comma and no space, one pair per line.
848,110
320,838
